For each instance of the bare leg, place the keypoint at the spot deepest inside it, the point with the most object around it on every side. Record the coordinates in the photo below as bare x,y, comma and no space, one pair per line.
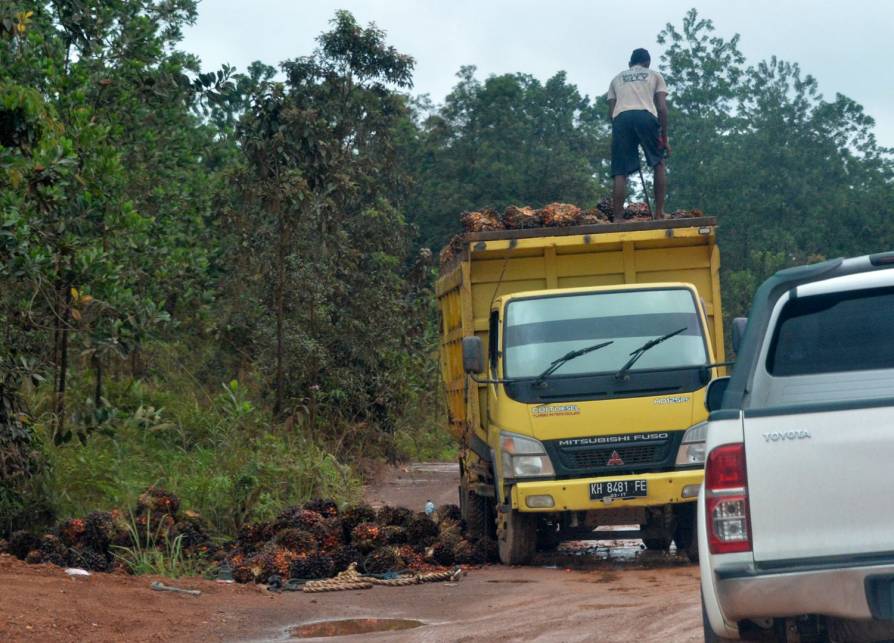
618,194
660,190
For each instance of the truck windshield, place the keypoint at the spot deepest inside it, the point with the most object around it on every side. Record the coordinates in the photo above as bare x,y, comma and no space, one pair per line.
541,330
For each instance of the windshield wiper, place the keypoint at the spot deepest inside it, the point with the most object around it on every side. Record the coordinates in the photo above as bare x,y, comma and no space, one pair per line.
635,355
567,357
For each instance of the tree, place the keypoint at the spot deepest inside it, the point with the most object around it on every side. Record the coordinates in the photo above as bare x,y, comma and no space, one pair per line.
318,244
793,177
509,139
113,196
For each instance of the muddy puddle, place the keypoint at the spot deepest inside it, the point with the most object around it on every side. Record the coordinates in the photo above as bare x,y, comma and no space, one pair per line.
352,626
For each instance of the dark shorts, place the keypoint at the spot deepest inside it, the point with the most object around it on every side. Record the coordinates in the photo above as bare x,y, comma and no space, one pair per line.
630,130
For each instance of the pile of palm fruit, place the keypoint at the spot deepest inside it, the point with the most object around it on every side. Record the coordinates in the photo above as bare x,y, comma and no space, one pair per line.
553,215
92,542
318,540
311,541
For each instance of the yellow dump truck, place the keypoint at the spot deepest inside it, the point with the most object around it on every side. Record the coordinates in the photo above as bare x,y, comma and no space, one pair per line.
575,362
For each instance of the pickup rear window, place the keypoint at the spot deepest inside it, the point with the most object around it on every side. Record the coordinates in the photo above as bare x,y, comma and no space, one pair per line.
834,333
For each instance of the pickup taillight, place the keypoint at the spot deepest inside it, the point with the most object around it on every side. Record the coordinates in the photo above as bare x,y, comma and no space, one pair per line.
726,500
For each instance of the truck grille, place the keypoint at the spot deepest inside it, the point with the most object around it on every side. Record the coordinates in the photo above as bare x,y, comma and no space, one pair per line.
651,452
632,456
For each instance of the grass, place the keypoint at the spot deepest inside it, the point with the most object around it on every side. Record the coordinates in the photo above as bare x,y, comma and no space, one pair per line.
220,453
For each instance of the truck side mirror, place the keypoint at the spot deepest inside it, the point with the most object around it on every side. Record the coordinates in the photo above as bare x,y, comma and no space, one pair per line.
739,325
714,394
473,354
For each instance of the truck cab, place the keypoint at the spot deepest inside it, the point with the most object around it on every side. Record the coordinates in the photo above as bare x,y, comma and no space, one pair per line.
583,406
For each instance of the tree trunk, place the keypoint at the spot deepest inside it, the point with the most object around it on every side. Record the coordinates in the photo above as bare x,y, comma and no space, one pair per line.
62,319
97,393
280,315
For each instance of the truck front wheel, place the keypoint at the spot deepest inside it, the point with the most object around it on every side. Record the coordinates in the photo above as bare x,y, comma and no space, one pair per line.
517,537
478,513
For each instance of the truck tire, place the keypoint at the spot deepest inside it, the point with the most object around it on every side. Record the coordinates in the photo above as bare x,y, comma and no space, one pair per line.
478,514
657,544
517,538
547,535
710,636
658,532
686,531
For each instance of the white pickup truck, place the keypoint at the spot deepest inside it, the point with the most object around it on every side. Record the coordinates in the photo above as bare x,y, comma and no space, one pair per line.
796,516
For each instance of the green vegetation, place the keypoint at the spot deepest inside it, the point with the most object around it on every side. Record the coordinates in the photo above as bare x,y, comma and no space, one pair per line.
217,281
154,551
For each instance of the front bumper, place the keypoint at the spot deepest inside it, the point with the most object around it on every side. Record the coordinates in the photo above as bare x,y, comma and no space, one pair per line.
574,495
830,592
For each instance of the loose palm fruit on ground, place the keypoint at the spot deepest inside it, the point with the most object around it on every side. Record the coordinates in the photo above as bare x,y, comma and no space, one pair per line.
366,536
53,550
157,501
72,531
312,566
327,508
343,557
422,531
392,535
296,540
394,516
21,542
383,559
353,516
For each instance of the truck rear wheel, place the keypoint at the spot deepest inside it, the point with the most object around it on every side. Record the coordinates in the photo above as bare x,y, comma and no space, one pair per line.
517,537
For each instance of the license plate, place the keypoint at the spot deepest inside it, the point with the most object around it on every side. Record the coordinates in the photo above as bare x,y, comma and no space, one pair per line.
619,489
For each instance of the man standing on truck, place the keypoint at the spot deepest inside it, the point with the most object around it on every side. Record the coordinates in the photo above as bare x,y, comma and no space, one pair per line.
637,107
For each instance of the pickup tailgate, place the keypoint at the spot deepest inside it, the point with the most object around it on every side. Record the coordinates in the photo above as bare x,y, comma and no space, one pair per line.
820,484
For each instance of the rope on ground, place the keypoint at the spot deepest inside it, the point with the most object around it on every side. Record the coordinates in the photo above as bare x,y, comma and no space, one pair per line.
351,579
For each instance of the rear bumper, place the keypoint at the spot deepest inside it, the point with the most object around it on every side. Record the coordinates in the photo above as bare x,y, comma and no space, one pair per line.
574,495
830,592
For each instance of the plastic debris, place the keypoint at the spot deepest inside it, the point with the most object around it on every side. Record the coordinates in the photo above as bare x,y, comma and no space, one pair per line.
76,571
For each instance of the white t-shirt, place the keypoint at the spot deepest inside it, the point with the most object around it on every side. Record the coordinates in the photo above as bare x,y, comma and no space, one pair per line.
635,88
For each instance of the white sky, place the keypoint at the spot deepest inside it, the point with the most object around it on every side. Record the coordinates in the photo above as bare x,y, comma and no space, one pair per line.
845,45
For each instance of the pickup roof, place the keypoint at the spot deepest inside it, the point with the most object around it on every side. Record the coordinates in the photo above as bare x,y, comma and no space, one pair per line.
796,516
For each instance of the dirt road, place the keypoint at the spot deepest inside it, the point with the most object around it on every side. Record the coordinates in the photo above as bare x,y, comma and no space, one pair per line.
610,594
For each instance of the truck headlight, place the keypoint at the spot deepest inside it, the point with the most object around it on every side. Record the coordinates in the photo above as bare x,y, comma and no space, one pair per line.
692,448
524,457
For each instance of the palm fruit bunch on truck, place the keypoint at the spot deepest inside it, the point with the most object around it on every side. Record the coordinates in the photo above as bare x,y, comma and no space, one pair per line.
552,215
